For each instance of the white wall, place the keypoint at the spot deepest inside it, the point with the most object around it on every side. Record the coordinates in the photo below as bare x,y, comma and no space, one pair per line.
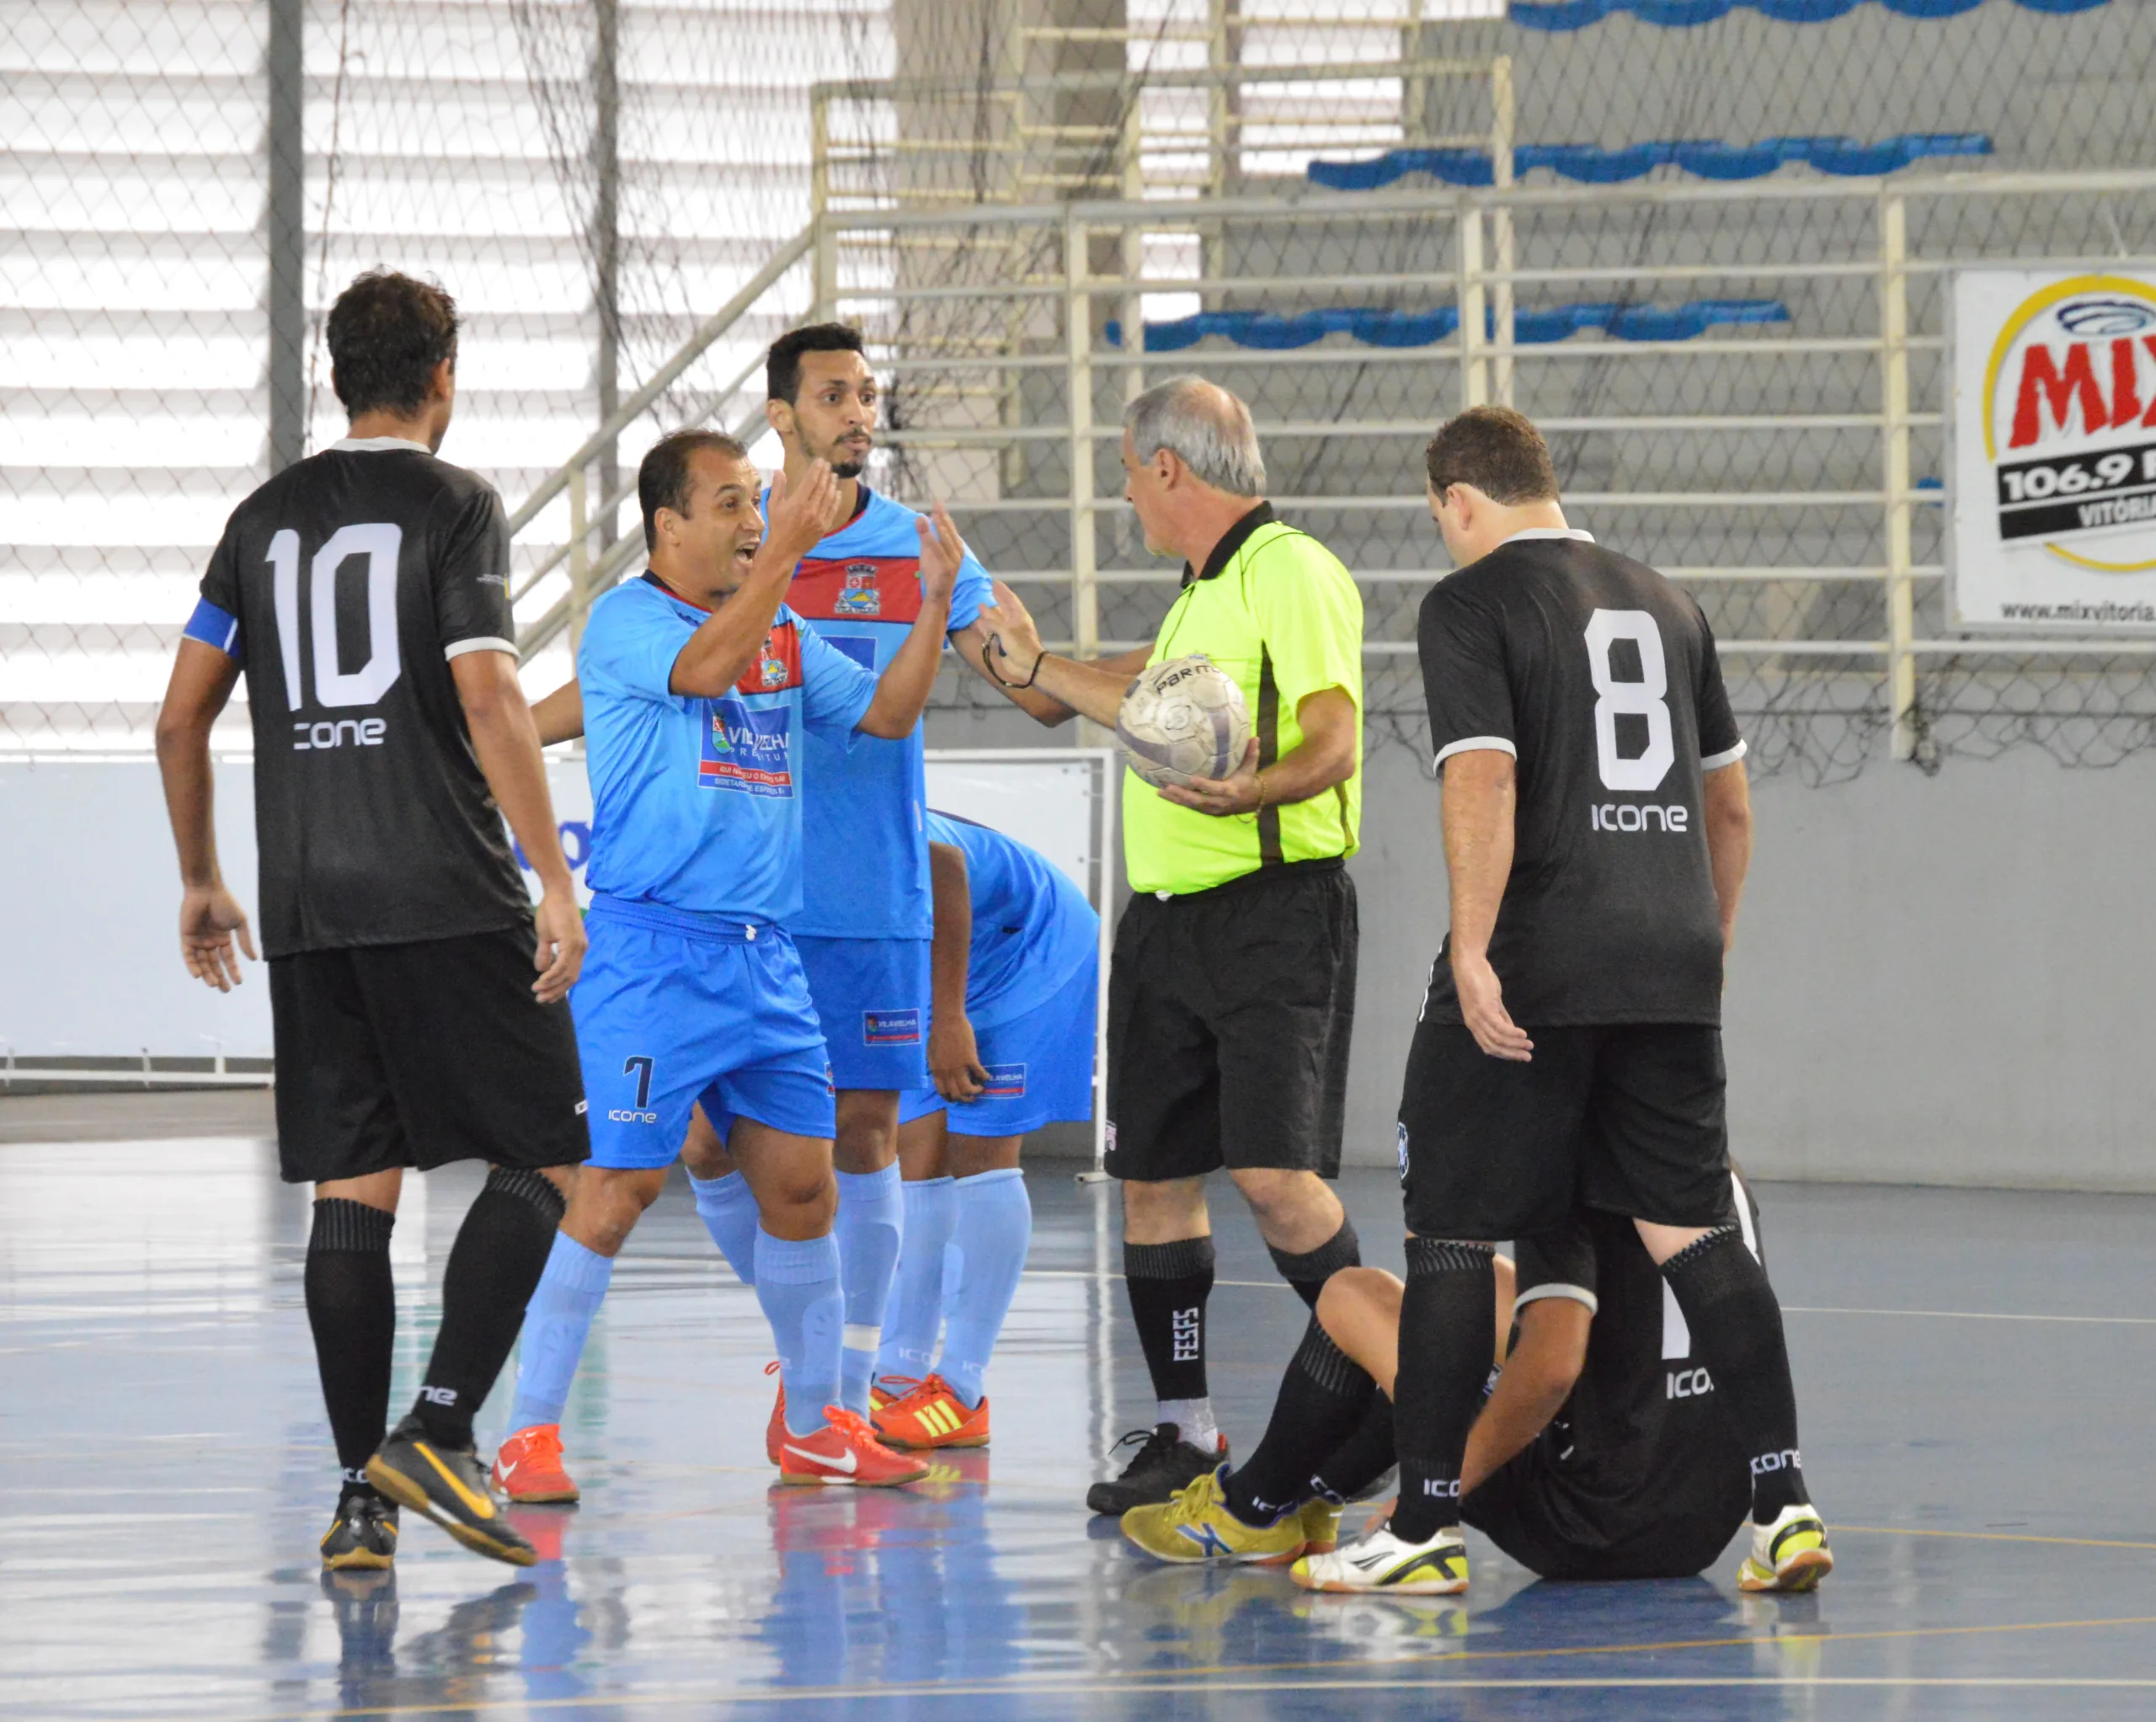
1938,980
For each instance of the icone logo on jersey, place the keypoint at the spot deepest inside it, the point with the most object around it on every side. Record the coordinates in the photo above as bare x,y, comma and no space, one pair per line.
890,1028
778,665
749,751
860,595
1005,1082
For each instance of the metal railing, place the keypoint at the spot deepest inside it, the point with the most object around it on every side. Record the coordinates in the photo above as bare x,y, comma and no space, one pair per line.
1868,317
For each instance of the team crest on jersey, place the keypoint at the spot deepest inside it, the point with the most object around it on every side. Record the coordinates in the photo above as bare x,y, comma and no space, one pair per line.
859,595
1005,1082
866,588
778,666
747,751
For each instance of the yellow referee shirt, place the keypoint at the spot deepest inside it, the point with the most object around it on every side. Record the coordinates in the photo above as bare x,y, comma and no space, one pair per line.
1277,611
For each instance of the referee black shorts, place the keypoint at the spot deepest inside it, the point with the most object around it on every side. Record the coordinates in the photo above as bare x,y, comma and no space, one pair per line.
1230,1012
1627,1118
419,1054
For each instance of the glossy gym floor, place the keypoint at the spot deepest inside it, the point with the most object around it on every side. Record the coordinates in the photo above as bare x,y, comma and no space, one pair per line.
1974,1371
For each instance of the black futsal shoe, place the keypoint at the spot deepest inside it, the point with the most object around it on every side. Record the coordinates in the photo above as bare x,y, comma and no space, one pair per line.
363,1535
449,1486
1165,1465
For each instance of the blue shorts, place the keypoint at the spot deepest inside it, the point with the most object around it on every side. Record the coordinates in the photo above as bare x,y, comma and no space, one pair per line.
674,1008
1039,1065
872,996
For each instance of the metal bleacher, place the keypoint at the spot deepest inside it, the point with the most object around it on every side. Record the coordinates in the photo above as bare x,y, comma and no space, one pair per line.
1743,378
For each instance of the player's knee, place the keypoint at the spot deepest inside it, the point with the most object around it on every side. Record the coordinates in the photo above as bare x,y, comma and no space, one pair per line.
1354,1295
1280,1199
1162,1211
607,1204
798,1201
865,1144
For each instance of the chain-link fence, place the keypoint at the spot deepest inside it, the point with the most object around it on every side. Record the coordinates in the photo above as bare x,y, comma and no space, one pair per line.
594,178
590,180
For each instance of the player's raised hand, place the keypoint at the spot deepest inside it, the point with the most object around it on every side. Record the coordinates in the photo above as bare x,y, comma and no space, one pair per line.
1482,1009
559,958
802,515
210,923
941,553
1010,643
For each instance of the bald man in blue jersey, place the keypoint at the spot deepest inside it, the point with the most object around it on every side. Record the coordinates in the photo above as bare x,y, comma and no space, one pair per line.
699,690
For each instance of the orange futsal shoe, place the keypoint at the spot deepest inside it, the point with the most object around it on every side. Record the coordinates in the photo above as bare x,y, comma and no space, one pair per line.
845,1453
932,1415
528,1469
774,1430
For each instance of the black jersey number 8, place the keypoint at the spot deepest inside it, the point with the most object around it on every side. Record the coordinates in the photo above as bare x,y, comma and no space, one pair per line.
1646,698
379,542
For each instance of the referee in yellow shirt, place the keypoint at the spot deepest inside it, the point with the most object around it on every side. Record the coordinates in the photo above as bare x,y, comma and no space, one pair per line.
1232,995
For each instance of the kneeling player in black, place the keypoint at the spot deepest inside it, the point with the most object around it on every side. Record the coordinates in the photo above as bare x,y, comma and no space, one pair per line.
1601,1451
365,591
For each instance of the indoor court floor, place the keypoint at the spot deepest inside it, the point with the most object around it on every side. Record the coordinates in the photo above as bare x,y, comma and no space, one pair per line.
1974,1371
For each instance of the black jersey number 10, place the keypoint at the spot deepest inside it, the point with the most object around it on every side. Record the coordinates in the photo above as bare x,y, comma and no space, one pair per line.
379,541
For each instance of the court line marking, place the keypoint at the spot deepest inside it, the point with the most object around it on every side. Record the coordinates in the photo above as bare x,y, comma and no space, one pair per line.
1986,1536
1073,1273
1201,1679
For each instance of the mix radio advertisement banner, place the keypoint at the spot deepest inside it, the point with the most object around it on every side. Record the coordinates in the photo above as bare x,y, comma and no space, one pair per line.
2054,452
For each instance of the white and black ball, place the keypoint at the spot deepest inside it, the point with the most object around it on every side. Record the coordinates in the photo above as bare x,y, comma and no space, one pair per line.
1182,719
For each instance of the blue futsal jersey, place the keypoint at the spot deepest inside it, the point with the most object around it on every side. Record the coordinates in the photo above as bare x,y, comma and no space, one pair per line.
863,847
697,803
1033,928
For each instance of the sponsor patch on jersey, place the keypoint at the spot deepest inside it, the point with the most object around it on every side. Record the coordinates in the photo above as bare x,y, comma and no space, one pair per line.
1005,1082
874,588
778,666
747,751
890,1028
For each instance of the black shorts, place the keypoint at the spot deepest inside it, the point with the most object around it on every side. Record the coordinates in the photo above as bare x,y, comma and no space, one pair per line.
416,1055
1627,1118
1537,1516
1230,1012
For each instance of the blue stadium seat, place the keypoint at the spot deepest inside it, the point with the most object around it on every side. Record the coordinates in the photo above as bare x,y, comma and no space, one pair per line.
1675,15
1380,326
1590,164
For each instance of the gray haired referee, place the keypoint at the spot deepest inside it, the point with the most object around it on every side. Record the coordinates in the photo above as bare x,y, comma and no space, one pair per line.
1233,992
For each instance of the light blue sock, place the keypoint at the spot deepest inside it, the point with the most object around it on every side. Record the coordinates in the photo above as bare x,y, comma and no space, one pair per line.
798,1284
728,1212
916,1313
994,1226
872,1218
556,1322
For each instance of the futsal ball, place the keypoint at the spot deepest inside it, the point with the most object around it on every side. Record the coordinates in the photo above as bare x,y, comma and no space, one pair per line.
1182,719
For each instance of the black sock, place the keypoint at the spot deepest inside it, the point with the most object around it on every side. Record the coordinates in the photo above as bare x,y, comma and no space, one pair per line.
1168,1285
351,1305
1736,1332
493,1268
1322,1399
1308,1272
1350,1469
1446,1319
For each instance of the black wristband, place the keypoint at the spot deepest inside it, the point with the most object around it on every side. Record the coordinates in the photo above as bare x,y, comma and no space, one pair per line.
988,663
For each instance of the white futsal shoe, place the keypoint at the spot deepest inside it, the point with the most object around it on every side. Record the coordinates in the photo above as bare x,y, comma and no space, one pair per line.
1789,1555
1378,1561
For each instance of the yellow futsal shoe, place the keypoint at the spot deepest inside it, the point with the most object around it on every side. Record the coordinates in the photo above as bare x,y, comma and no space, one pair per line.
1322,1525
1194,1527
1790,1555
